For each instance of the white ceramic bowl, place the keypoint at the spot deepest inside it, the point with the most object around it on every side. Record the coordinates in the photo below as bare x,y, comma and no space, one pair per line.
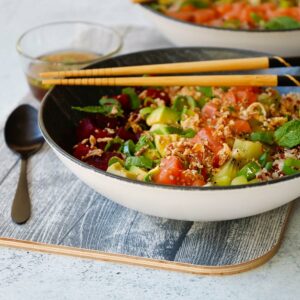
181,33
56,121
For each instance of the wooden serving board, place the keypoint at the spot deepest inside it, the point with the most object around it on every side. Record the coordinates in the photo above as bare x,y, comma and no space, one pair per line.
71,219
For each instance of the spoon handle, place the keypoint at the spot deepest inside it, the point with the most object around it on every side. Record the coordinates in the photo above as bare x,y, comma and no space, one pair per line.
21,208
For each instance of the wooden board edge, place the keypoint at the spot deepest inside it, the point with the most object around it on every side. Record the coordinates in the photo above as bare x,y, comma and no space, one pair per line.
147,262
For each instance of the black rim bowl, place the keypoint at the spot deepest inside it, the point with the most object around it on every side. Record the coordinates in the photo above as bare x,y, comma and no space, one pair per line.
214,27
57,119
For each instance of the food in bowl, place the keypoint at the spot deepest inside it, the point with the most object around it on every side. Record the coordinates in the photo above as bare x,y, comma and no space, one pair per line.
234,14
193,136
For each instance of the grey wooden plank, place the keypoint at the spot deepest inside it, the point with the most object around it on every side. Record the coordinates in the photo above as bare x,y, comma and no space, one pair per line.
59,205
59,200
232,242
7,158
109,227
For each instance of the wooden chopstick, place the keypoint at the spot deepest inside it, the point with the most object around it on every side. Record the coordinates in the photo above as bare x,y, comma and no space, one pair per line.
252,63
214,80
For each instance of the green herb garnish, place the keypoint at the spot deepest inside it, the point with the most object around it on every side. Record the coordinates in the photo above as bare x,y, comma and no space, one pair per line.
135,101
107,106
281,23
288,135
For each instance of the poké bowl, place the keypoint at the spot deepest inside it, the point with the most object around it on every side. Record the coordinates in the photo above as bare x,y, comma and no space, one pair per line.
208,203
183,33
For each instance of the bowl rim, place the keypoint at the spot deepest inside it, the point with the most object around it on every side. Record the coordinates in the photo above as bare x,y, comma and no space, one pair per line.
115,49
64,153
145,6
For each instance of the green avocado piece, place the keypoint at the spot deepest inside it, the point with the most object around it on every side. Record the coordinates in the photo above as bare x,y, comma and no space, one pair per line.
118,169
139,172
152,154
151,173
163,115
162,141
246,151
165,129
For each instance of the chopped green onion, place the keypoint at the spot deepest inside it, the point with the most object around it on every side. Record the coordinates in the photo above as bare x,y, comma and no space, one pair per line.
146,111
115,140
249,170
128,148
291,166
264,158
144,141
269,166
181,102
139,161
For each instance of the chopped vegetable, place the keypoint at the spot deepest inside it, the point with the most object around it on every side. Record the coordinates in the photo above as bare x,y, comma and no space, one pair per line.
282,22
237,14
239,180
135,102
128,148
246,151
249,171
226,173
138,161
291,166
163,115
238,135
288,135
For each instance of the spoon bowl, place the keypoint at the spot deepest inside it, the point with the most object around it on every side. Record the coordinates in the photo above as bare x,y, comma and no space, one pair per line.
22,136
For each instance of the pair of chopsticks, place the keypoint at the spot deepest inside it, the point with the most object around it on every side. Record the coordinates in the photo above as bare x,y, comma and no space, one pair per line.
89,75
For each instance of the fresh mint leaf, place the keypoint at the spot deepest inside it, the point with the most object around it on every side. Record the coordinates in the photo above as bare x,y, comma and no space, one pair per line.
107,107
109,101
288,135
283,22
205,90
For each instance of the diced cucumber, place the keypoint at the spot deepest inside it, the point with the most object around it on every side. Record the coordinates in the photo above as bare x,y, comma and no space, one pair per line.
239,180
226,173
249,170
245,151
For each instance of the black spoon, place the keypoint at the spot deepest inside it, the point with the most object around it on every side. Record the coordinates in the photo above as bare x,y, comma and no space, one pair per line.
22,135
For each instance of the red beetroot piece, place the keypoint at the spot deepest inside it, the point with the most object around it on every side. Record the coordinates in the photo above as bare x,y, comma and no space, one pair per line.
124,101
101,121
126,135
154,94
102,162
80,151
84,129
